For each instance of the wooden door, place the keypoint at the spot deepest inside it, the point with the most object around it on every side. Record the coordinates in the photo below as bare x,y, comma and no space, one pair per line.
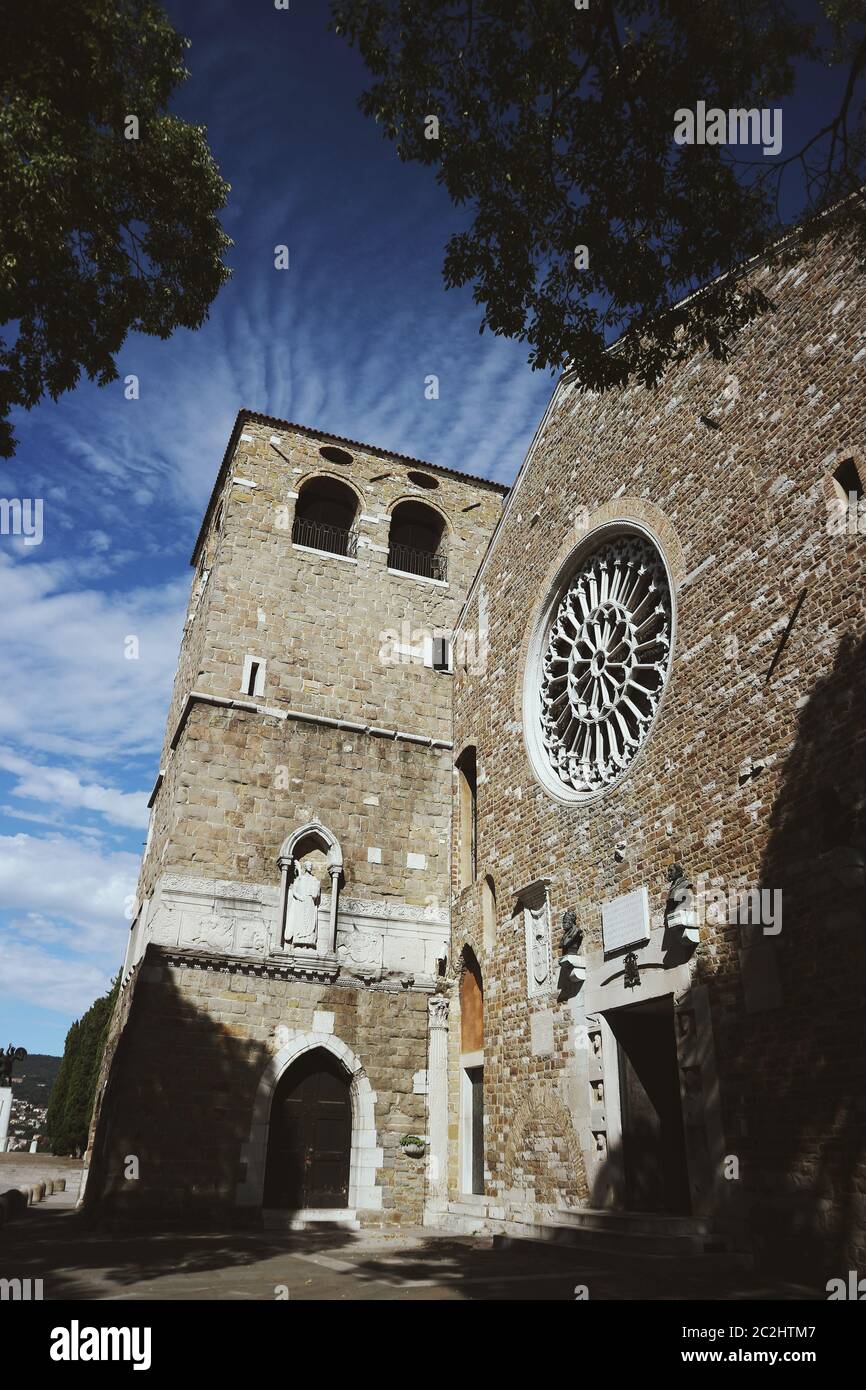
310,1136
656,1175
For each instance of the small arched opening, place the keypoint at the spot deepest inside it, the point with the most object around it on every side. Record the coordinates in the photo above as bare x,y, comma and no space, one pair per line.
471,1074
416,541
467,817
326,514
488,912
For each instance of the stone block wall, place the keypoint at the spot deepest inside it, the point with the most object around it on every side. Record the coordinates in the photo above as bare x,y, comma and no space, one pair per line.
332,632
197,1040
243,781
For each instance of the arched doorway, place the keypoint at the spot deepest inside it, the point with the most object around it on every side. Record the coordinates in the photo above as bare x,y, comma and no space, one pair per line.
310,1135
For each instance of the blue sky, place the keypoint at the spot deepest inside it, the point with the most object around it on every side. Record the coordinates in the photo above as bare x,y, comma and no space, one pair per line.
343,340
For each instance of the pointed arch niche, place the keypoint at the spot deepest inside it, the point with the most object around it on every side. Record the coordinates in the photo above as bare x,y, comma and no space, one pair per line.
312,839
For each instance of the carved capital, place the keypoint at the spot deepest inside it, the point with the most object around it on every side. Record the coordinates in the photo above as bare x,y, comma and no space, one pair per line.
437,1006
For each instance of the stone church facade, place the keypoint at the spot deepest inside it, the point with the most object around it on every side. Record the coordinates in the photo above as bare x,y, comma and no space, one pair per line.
531,826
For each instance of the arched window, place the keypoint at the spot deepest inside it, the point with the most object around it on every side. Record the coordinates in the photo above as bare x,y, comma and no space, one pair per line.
847,482
471,1004
467,810
488,912
416,541
326,517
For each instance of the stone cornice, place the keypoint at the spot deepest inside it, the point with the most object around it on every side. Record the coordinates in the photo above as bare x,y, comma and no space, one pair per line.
273,968
303,716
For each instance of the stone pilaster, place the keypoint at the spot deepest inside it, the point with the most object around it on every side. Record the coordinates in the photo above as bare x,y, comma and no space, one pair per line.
437,1101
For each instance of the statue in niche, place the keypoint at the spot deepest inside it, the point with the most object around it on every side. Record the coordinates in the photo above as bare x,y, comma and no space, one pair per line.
302,916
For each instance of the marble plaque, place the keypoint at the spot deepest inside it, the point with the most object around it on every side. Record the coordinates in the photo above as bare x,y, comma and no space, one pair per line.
625,921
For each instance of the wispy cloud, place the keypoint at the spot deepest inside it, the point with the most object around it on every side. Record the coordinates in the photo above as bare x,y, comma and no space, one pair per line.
57,786
344,340
32,973
67,682
73,882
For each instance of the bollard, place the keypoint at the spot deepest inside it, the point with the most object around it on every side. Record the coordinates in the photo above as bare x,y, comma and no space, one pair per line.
12,1204
59,1184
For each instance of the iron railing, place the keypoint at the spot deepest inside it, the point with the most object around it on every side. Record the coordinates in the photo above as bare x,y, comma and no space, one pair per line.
422,562
321,535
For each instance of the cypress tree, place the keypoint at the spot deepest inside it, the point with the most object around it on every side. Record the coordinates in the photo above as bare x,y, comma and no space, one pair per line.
72,1097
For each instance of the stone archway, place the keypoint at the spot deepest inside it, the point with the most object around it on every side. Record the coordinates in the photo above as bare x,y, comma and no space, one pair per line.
364,1157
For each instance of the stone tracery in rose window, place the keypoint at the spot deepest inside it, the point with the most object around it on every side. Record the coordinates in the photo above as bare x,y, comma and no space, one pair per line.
605,663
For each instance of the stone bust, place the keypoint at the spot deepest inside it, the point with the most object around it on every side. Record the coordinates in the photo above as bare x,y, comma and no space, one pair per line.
681,912
572,936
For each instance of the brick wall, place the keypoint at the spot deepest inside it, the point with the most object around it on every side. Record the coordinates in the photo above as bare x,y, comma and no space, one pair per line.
749,774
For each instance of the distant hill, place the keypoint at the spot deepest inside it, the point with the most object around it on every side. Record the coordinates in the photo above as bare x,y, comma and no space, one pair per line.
33,1077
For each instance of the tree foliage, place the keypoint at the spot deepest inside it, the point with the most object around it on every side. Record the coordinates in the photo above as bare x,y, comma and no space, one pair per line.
556,131
70,1106
101,234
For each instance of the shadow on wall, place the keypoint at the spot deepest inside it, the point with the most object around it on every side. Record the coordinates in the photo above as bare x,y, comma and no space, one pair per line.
789,1009
178,1102
803,1094
171,1142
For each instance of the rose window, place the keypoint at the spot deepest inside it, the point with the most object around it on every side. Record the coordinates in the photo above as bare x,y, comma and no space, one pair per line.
605,663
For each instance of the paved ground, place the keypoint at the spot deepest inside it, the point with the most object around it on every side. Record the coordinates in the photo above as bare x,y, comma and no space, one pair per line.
53,1243
25,1169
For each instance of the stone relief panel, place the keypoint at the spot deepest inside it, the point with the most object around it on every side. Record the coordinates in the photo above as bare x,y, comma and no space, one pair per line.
376,941
379,941
597,1106
203,914
535,905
